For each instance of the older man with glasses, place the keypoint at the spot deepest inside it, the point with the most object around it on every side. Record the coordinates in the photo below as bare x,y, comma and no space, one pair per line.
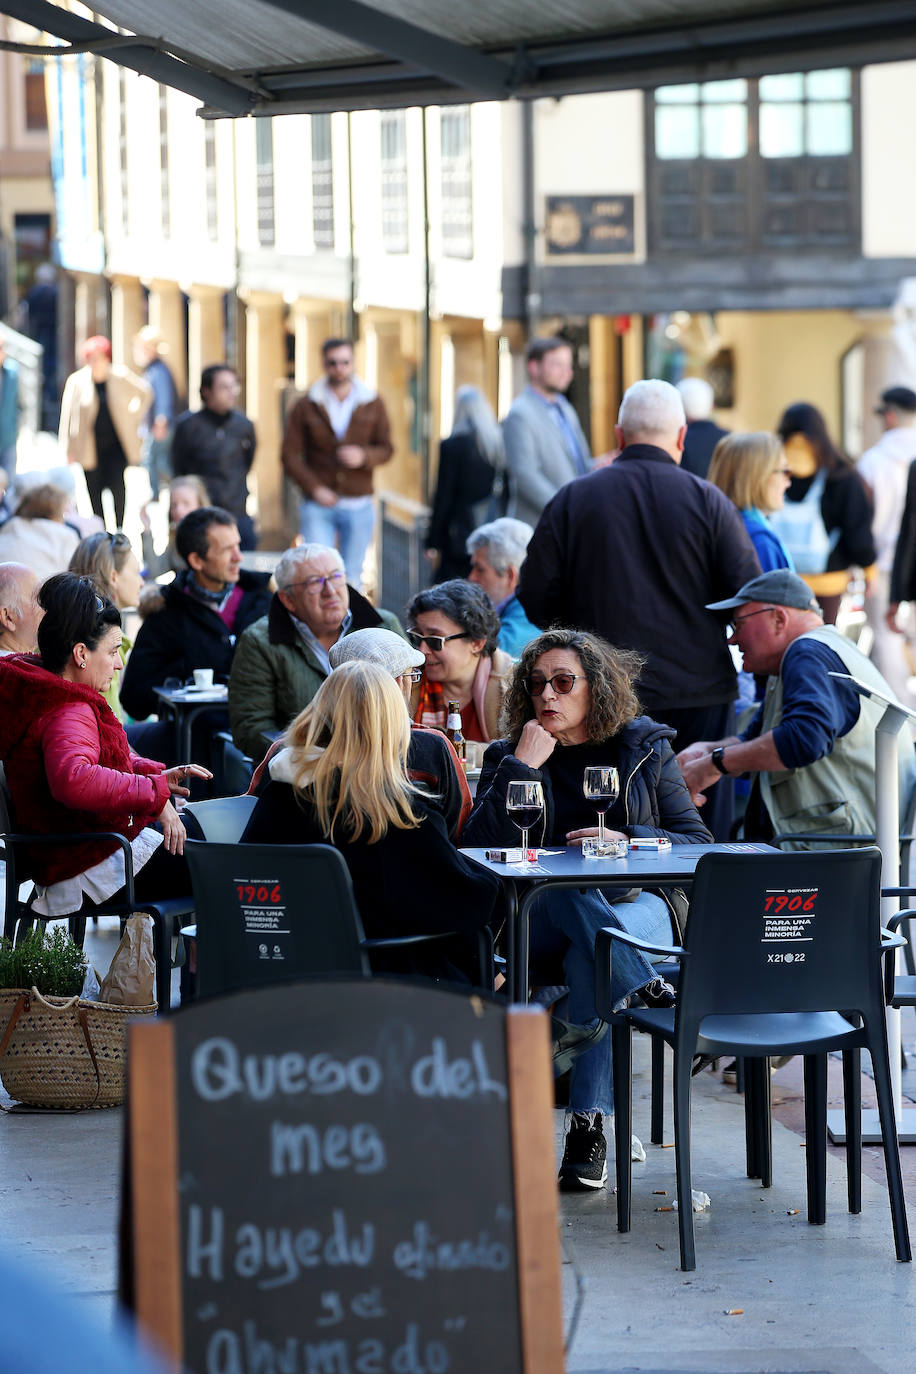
810,749
282,659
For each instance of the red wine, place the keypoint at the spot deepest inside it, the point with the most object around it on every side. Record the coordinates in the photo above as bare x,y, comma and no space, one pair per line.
601,801
524,816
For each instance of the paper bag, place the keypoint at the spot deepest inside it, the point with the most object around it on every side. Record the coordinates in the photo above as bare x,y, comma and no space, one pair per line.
131,980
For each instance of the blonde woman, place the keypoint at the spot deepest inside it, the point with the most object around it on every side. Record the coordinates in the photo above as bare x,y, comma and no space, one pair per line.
752,471
111,563
342,780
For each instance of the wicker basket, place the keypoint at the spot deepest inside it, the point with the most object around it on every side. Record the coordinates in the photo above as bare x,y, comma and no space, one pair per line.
63,1052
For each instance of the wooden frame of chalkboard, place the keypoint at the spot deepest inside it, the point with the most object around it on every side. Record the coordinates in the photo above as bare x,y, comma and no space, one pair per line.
347,1177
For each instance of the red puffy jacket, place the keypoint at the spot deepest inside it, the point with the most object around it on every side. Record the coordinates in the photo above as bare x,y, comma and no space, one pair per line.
70,768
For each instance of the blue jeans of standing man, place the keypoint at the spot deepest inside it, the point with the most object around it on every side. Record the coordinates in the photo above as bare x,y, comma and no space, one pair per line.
347,526
564,923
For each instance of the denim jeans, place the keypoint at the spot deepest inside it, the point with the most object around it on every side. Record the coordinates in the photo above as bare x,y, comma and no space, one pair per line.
348,528
157,459
564,923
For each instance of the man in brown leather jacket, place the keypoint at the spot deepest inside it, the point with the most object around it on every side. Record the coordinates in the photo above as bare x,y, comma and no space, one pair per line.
336,434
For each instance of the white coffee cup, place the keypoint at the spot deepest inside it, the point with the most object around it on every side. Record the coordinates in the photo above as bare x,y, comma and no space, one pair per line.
203,678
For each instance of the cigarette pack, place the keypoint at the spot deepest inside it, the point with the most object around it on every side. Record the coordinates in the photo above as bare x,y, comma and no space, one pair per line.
651,846
511,856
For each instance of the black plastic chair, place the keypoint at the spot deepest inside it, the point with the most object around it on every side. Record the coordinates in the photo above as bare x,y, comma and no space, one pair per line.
268,913
236,768
750,989
19,917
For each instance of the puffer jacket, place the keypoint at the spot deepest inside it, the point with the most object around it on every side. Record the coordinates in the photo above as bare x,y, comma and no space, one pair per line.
186,634
275,673
69,768
653,794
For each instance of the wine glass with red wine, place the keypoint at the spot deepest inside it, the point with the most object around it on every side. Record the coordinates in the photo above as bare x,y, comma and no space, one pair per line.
525,806
602,788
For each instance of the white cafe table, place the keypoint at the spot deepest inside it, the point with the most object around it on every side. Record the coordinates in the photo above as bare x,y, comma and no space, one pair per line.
567,868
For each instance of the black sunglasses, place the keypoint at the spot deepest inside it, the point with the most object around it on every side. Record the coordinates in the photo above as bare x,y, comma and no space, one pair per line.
562,683
434,642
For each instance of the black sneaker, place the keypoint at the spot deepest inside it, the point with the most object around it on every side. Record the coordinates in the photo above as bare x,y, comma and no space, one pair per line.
585,1156
658,993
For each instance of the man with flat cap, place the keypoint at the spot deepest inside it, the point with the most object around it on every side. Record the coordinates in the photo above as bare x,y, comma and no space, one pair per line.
884,468
810,749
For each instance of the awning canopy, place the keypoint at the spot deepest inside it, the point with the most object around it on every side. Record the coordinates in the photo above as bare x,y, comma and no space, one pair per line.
270,57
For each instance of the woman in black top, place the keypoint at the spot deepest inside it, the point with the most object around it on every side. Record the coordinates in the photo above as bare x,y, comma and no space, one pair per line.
826,518
471,465
570,704
342,780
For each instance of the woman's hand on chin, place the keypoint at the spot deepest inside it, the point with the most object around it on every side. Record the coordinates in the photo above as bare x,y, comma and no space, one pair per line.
173,831
535,745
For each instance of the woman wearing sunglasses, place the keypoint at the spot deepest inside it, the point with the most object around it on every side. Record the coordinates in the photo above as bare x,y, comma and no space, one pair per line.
571,704
456,629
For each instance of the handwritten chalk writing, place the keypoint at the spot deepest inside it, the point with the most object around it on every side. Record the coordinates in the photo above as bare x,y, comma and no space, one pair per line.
303,1148
218,1071
435,1076
425,1252
272,1256
248,1353
367,1305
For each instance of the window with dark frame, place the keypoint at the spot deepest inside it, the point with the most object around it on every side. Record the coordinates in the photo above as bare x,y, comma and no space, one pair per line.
755,166
322,182
122,152
210,185
395,220
165,200
456,182
264,159
36,108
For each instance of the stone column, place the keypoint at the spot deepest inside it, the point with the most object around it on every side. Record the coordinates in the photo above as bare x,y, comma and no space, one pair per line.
312,324
264,386
166,313
206,334
128,315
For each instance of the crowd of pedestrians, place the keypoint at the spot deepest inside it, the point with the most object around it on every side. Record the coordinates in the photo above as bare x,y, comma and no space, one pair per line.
585,613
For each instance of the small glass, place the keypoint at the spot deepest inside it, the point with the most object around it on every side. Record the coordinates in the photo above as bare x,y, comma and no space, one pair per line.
524,806
601,786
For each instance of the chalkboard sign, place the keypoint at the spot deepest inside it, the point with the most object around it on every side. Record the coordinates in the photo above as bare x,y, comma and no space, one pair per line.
345,1177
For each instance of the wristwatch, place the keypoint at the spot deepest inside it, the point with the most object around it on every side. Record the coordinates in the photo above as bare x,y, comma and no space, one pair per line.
718,760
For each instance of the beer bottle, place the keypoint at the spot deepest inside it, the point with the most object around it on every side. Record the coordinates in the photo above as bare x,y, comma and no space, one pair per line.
453,731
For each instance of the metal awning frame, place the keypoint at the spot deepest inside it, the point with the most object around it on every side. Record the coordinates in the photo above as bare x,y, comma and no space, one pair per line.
411,66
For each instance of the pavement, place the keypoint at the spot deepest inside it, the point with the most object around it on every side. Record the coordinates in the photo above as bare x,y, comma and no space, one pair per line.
770,1292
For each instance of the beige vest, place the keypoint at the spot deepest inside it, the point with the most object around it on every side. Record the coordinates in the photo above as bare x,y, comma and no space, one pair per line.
129,399
836,794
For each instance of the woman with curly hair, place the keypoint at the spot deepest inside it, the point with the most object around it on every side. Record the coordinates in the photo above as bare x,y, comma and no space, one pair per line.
571,704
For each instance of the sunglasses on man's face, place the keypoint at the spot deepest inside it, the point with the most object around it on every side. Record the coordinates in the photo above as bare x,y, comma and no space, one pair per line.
433,642
561,683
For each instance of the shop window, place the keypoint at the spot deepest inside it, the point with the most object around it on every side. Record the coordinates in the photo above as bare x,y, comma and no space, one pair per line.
395,221
456,174
322,182
755,166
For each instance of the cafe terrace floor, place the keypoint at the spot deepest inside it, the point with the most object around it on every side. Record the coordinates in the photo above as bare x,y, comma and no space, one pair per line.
769,1293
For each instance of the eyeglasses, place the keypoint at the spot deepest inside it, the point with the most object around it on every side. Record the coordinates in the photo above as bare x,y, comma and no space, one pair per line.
315,585
434,642
561,683
740,619
412,674
337,362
